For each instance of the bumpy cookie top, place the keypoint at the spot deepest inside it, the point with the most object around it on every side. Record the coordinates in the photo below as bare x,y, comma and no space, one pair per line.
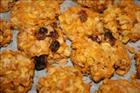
28,13
16,72
123,21
45,40
78,21
5,33
98,5
100,60
62,80
119,86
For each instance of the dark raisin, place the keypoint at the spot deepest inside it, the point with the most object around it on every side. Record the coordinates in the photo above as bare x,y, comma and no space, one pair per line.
138,74
83,16
116,67
95,38
101,8
42,33
40,62
54,46
53,34
109,37
54,24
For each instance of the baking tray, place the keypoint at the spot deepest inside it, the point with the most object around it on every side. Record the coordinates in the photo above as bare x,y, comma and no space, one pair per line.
94,86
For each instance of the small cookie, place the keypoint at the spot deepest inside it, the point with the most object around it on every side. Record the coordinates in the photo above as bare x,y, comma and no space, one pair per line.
6,5
29,13
16,72
119,86
123,22
44,41
98,5
99,59
137,57
5,33
78,22
62,80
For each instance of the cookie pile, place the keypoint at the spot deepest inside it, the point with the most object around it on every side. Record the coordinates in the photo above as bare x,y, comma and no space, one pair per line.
98,30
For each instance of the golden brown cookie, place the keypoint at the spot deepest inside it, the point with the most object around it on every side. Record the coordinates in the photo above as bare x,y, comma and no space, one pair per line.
98,5
5,33
16,72
78,22
44,41
29,13
137,57
62,80
123,21
100,59
6,5
119,86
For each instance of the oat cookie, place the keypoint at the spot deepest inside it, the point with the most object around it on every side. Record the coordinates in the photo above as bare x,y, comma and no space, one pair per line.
123,21
16,72
137,57
98,5
28,13
6,5
62,80
78,22
44,41
119,86
99,59
5,33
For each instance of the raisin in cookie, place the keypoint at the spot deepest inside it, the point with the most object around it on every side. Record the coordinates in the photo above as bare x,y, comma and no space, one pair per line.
119,86
62,80
99,59
123,21
137,57
16,72
28,13
98,5
6,5
44,40
78,22
5,33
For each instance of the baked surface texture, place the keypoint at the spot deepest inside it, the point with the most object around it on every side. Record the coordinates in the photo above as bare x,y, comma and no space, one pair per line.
62,80
16,72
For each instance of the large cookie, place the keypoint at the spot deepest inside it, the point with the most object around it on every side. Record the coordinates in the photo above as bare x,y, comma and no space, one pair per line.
28,13
123,21
44,41
16,72
62,80
100,59
78,22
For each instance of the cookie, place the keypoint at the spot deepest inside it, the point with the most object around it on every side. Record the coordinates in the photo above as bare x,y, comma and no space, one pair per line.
137,57
98,5
77,22
29,13
44,41
6,5
119,86
123,21
62,80
5,33
99,59
16,72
